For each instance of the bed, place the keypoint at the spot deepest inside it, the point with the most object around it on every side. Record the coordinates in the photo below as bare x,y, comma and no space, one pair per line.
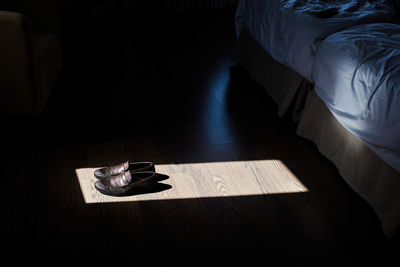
290,31
303,54
357,75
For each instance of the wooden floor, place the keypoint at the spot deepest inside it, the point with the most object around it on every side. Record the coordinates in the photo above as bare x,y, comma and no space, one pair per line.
237,182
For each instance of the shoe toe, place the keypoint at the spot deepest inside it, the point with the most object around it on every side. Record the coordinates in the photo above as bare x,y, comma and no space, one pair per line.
100,186
99,173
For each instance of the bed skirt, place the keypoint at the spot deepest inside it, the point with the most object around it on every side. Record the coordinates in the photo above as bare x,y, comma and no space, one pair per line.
287,88
367,174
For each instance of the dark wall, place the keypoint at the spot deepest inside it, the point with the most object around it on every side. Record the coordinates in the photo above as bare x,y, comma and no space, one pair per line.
176,6
181,6
43,14
80,11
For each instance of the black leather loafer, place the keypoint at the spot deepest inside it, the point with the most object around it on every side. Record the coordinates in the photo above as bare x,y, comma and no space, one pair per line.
126,166
126,183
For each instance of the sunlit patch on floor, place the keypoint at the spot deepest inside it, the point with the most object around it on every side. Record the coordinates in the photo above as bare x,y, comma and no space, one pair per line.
204,180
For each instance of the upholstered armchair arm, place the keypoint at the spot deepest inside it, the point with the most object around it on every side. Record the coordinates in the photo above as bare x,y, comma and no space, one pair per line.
19,92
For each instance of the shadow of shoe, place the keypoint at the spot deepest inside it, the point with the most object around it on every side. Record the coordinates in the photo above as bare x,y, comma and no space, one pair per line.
162,177
159,187
154,188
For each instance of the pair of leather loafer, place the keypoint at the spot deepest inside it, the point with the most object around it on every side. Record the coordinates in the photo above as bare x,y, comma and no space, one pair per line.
126,178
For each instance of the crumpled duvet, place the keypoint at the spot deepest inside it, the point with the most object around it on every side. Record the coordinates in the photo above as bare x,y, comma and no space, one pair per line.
291,30
357,75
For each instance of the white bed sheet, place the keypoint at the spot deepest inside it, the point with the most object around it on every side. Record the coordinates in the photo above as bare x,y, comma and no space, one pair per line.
357,75
290,31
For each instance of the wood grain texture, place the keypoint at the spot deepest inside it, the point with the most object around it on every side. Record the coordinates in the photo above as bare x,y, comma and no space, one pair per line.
202,180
